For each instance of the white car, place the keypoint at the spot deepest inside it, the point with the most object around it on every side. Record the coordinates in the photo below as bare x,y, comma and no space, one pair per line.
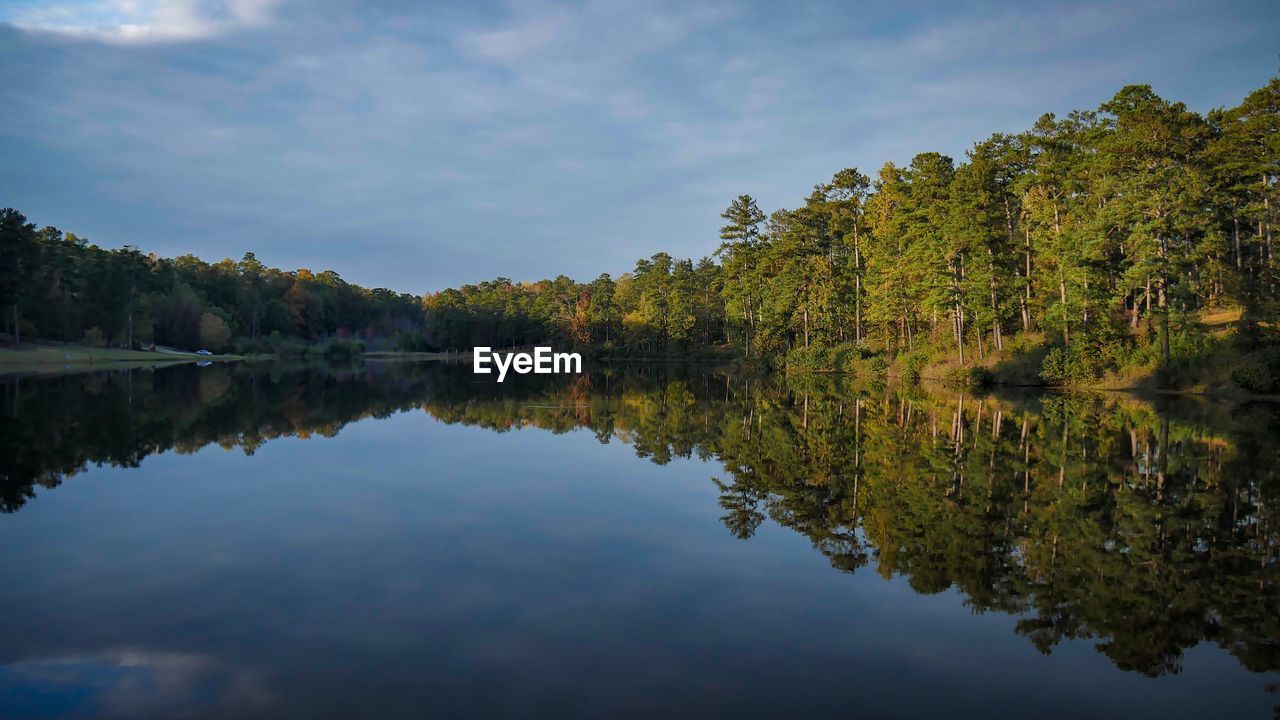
203,352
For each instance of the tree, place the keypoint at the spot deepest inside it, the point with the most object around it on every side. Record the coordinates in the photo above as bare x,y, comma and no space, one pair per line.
739,251
19,255
1151,173
214,331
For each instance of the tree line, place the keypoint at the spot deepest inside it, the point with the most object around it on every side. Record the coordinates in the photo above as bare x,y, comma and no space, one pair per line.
1104,236
59,286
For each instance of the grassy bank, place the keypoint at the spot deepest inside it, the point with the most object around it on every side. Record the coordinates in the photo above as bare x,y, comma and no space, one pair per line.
414,356
46,357
1210,354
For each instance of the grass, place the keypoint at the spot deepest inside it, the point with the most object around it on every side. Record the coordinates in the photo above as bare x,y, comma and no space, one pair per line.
1207,366
407,355
45,357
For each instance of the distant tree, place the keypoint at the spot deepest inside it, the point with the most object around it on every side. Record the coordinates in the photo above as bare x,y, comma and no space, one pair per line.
19,255
214,332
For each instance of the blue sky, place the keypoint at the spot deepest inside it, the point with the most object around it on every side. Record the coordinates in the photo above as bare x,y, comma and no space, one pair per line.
420,145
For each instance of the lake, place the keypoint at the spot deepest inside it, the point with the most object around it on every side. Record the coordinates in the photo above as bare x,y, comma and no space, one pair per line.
406,540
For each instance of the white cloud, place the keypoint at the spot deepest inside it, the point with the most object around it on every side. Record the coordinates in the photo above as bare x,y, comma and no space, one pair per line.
434,134
513,43
145,20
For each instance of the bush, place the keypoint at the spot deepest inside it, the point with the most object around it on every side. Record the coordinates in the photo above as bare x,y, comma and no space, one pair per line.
289,348
1259,372
875,365
413,342
839,358
1066,366
967,378
913,363
1253,376
250,346
340,350
815,358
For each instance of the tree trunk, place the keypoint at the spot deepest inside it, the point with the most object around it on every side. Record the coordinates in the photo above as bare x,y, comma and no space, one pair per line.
1066,318
1084,323
857,310
857,287
806,326
1236,232
1164,325
1026,303
995,304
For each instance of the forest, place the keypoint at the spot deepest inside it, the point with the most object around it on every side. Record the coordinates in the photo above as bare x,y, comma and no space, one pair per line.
1135,239
58,286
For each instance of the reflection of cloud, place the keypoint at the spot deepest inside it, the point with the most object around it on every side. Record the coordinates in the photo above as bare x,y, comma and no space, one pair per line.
144,20
133,682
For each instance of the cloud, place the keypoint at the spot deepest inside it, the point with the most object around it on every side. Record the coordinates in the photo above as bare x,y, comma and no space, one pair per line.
134,21
420,145
513,43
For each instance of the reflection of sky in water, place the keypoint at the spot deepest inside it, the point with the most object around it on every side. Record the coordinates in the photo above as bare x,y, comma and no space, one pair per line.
124,683
427,569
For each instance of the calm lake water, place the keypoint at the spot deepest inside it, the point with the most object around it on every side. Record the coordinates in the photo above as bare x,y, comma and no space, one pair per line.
404,541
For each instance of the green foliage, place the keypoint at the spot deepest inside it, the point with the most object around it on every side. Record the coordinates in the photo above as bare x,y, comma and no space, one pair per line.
913,365
341,350
93,337
815,358
968,378
214,332
65,287
1068,366
845,358
1102,233
1259,372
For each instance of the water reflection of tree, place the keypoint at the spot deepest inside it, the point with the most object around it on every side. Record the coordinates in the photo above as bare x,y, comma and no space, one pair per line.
1147,529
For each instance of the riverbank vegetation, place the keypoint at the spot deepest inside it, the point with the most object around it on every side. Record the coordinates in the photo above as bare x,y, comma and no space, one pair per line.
60,287
1128,245
1132,244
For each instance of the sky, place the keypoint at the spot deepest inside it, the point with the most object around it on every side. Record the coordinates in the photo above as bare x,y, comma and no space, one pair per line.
419,146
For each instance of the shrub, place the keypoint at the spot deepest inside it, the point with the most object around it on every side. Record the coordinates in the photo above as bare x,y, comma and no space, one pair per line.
289,348
1259,372
848,357
913,363
1253,376
413,342
815,358
1066,366
342,349
839,358
875,365
966,378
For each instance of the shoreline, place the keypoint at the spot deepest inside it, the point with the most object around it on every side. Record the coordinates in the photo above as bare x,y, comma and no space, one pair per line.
40,359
